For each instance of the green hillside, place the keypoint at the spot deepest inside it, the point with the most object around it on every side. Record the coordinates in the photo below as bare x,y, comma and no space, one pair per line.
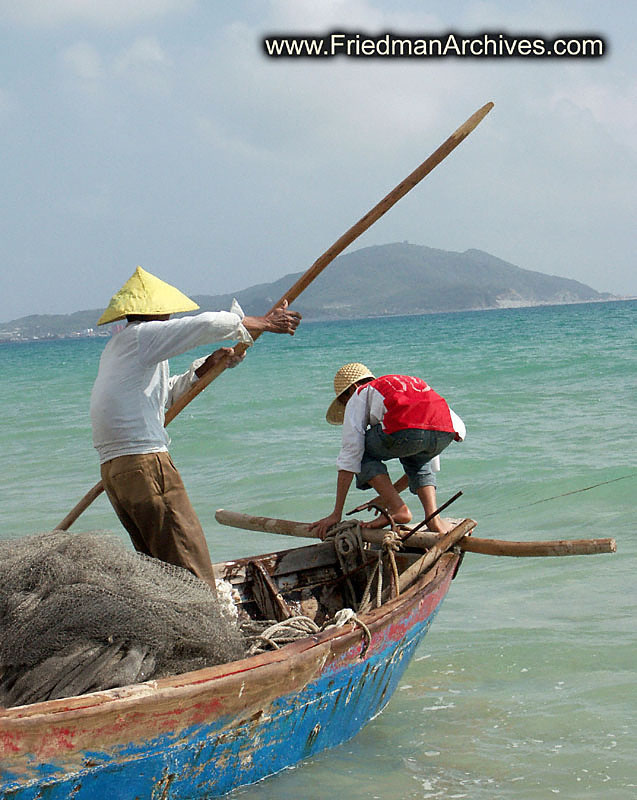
412,279
385,279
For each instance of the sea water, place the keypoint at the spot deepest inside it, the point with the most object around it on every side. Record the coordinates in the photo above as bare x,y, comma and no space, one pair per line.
524,688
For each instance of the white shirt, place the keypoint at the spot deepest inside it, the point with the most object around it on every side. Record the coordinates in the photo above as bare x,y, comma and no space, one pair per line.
366,407
134,387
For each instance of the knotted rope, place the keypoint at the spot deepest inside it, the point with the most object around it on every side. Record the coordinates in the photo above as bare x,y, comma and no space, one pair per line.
344,616
278,634
350,550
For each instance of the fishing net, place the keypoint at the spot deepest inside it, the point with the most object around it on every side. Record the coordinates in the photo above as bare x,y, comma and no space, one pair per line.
79,613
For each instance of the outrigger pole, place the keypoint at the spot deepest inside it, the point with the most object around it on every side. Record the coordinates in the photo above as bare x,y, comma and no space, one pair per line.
306,279
426,539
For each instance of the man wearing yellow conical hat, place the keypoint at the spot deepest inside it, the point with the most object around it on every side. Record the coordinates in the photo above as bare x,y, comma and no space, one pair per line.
395,416
132,390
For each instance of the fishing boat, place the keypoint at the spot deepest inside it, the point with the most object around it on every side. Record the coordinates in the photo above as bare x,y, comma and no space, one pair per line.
204,733
365,604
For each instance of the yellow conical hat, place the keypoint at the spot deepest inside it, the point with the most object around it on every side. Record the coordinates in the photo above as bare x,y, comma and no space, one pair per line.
143,293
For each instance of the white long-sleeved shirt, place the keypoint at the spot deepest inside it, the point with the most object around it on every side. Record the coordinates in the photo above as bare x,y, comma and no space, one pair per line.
365,408
134,386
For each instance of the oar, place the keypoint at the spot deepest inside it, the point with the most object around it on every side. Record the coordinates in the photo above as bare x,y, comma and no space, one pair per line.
420,540
306,279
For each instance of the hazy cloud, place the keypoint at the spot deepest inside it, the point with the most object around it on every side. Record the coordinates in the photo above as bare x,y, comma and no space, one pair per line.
83,61
613,106
143,53
100,14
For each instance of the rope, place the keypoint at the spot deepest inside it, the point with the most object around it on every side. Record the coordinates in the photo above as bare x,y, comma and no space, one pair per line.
281,633
365,603
277,635
350,549
391,545
346,615
564,494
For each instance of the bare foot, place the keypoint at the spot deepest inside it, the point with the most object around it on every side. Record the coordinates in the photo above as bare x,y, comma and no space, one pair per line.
380,522
401,516
437,525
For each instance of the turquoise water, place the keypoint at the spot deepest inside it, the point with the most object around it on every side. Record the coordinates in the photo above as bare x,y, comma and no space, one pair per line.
525,686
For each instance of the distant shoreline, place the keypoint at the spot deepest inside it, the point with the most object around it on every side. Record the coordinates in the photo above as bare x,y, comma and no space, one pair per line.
107,332
389,280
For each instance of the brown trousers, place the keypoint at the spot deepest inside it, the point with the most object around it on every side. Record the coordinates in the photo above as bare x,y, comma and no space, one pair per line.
150,500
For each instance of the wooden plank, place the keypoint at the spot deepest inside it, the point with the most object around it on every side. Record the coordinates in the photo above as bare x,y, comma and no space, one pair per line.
266,593
445,543
420,540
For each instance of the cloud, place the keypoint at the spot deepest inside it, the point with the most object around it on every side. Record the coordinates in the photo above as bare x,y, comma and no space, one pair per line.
144,52
164,143
307,108
613,106
310,16
113,13
142,66
83,60
147,65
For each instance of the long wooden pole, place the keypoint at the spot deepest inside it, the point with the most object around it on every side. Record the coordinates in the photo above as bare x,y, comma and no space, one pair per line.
344,241
306,279
472,544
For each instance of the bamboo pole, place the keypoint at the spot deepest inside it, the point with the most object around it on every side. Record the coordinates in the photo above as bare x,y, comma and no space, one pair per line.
308,276
365,222
81,507
420,540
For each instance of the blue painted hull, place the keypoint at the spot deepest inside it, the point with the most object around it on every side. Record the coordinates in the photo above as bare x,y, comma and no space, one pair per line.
214,730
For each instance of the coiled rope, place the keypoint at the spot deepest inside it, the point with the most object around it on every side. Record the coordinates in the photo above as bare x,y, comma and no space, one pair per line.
350,551
279,634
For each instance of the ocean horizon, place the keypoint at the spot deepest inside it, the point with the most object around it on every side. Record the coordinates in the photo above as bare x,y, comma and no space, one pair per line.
104,333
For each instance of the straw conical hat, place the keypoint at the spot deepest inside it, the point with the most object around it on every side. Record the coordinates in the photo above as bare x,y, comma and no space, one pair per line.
347,376
143,293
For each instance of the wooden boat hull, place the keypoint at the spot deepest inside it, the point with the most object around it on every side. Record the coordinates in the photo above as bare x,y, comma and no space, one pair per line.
202,734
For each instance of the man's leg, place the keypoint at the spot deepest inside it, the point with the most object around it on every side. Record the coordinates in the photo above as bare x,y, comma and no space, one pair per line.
422,480
427,496
108,469
151,492
389,499
380,447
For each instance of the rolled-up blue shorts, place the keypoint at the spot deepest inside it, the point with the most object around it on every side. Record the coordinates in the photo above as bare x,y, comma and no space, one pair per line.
414,448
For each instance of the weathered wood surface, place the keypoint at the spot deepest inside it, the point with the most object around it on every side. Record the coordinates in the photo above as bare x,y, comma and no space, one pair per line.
443,544
268,597
471,544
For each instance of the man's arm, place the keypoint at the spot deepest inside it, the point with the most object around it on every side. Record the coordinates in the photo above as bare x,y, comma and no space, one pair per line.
178,384
161,340
214,358
343,482
279,320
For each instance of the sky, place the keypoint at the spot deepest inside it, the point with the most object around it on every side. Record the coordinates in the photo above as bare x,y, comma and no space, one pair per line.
158,133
